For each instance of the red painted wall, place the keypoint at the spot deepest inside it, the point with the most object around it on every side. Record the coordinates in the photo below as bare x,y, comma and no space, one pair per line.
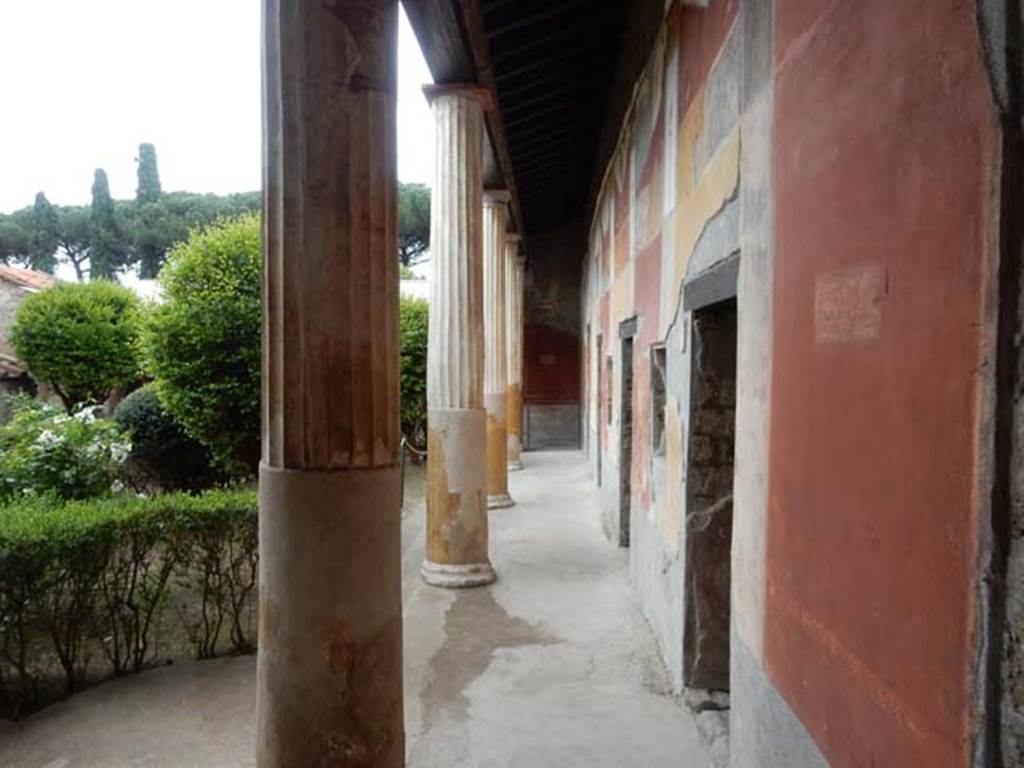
647,300
883,169
552,365
551,309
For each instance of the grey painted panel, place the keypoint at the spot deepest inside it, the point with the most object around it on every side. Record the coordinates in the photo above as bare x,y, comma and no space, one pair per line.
722,103
719,239
756,17
715,285
763,731
551,425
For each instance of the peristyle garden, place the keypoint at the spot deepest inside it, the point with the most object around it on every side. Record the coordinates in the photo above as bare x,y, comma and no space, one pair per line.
128,511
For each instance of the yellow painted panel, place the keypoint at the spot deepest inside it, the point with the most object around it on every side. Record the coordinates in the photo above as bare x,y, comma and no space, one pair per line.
716,185
622,296
686,146
670,509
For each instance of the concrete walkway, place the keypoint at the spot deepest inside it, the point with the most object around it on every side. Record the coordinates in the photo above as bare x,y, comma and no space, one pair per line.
551,666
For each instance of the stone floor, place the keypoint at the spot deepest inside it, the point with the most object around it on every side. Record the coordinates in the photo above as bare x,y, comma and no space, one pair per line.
551,666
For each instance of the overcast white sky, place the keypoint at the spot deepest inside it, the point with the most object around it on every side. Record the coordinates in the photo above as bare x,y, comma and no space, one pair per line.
86,81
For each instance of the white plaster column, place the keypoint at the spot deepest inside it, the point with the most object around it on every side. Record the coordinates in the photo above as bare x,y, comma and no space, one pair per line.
457,540
514,266
329,668
495,347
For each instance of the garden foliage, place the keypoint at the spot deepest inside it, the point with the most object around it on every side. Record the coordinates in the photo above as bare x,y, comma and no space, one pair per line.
163,456
80,338
413,322
84,581
203,342
45,451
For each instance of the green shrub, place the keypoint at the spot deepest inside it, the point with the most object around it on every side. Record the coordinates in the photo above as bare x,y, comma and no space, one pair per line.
80,338
163,456
221,558
203,342
50,564
79,575
44,450
413,323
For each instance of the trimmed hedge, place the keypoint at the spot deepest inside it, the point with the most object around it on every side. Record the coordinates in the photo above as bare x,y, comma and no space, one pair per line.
82,576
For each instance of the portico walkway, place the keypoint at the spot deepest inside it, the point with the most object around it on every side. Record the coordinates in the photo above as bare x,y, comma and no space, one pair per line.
552,665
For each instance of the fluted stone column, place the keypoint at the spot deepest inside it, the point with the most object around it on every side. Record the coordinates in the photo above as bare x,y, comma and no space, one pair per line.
457,542
329,670
496,348
514,265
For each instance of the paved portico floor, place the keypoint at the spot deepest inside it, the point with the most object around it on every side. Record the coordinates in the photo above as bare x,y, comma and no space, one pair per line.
553,665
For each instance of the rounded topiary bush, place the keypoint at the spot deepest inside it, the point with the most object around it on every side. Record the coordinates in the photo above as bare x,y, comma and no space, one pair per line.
162,455
202,343
80,338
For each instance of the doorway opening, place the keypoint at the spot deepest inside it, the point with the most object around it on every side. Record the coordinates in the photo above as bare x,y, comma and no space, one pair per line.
626,441
709,497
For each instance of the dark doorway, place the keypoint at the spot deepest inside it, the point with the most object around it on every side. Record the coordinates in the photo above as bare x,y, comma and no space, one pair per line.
709,497
626,441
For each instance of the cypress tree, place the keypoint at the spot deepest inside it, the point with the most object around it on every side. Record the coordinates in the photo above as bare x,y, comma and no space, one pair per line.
148,189
150,247
45,235
106,243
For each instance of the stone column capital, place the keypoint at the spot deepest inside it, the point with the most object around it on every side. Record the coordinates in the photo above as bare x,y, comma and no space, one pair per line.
435,91
494,197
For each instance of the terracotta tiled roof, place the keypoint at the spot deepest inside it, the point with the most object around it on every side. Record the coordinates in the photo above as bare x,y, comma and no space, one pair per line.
29,278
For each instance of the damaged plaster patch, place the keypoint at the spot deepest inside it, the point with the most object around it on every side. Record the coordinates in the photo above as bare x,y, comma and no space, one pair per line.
719,238
466,652
711,712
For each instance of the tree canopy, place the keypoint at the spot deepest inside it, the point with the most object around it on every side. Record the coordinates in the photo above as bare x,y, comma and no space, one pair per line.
108,236
413,222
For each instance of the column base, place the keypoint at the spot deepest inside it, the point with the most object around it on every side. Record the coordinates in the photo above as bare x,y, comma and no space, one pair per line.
515,466
500,501
329,664
457,576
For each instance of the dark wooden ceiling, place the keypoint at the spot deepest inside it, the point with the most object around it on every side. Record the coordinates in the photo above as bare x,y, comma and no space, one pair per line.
553,62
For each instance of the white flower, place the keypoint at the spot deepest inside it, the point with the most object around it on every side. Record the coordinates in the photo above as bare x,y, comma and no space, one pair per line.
88,415
48,438
119,450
